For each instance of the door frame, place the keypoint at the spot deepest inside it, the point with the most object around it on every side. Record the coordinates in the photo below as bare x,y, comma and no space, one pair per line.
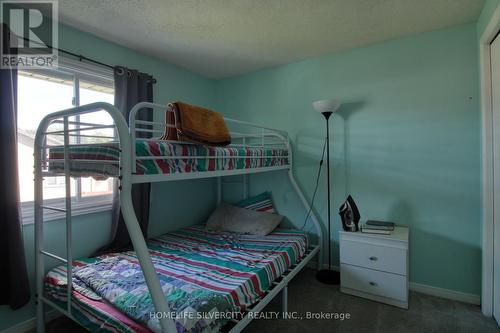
485,40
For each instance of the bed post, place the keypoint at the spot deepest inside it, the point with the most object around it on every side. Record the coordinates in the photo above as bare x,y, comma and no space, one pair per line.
219,190
245,186
284,301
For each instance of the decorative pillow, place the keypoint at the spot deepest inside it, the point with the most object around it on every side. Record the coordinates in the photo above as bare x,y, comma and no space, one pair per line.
260,203
235,219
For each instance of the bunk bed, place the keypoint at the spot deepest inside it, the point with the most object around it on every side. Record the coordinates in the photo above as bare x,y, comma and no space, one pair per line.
134,155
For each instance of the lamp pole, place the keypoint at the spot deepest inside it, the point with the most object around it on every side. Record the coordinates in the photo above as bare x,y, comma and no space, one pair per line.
327,117
326,107
328,276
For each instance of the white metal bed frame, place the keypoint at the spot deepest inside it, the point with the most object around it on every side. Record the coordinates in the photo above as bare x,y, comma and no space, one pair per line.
266,137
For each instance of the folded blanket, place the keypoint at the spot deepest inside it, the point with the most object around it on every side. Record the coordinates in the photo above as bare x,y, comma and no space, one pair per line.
196,124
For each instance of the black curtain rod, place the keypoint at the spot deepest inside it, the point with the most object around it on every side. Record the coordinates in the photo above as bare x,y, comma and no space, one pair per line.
79,56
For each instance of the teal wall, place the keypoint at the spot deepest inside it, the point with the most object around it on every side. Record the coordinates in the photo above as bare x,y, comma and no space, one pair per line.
171,203
405,143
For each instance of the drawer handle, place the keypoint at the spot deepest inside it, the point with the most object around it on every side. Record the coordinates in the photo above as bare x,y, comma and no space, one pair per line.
373,258
373,284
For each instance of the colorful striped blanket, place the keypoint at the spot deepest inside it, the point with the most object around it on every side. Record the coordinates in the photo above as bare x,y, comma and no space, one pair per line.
207,276
221,158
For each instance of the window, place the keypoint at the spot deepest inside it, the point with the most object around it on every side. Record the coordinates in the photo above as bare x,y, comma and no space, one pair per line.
41,92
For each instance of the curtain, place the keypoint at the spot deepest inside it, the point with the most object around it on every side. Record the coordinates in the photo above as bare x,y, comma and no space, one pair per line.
14,284
131,87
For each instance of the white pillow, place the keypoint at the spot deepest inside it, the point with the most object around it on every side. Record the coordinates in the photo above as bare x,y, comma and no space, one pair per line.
230,218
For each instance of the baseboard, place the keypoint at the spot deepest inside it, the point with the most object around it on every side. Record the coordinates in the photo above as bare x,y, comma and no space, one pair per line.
30,324
446,293
429,290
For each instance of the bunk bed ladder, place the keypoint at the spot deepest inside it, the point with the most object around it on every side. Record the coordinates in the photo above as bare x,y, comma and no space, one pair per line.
40,250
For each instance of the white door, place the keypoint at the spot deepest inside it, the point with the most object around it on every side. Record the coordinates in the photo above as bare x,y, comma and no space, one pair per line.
495,75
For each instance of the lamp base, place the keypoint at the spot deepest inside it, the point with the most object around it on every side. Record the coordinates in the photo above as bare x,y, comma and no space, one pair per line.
327,276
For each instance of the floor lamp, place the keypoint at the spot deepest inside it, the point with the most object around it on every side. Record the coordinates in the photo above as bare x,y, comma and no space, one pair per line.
326,108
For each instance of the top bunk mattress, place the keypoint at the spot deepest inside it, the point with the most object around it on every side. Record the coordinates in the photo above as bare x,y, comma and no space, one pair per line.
180,157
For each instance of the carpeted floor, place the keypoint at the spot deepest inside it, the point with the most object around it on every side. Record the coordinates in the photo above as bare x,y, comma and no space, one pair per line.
425,313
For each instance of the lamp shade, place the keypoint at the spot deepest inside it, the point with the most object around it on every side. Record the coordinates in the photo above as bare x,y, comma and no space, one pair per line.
326,105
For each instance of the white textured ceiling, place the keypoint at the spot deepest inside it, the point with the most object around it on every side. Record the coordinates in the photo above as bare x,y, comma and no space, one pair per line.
222,38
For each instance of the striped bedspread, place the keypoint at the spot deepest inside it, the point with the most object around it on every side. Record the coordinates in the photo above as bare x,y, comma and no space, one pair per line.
240,158
207,277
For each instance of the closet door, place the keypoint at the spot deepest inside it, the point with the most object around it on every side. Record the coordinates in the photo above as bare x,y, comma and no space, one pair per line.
495,75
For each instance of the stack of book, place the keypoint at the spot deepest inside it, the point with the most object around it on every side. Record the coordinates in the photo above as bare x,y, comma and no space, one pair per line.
377,227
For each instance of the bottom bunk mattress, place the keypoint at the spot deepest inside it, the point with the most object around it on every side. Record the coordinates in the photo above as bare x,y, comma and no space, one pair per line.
208,278
180,157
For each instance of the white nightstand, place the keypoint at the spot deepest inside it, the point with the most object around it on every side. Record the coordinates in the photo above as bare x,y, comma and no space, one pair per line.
375,266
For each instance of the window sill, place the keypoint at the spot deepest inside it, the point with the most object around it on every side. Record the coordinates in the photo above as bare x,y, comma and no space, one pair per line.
88,206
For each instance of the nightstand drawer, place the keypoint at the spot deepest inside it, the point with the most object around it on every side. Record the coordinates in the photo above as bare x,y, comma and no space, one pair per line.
379,257
374,282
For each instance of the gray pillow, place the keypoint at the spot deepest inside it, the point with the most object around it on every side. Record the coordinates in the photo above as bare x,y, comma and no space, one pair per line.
230,218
